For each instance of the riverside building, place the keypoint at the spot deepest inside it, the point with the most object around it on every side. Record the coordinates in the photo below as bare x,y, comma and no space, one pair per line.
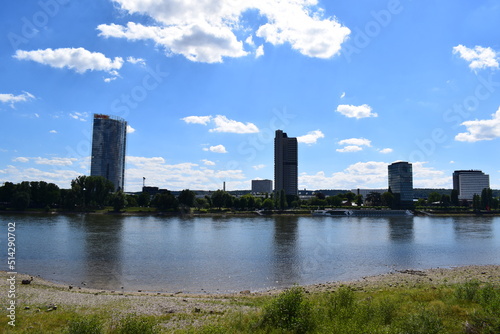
401,182
285,163
109,138
470,182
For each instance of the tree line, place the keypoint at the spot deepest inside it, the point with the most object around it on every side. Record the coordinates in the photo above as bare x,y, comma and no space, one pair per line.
95,192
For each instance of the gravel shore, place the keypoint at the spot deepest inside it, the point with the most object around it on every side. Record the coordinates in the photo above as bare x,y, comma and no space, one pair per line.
41,294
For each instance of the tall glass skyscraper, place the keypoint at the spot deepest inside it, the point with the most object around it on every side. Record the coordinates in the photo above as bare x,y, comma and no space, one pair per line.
401,182
109,139
285,163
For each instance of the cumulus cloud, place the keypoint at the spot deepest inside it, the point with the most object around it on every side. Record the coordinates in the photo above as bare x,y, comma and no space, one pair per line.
80,116
257,167
204,120
78,59
349,149
358,112
356,141
59,176
223,124
478,57
478,130
311,137
21,159
55,161
208,162
134,60
179,176
208,31
386,150
52,131
13,99
353,144
259,52
130,129
216,149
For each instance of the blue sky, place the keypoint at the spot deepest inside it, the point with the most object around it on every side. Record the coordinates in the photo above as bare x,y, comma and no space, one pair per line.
204,85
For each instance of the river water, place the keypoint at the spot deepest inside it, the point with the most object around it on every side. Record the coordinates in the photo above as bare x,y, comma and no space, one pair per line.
207,254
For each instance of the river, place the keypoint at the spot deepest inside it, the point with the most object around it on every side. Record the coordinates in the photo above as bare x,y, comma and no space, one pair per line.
209,254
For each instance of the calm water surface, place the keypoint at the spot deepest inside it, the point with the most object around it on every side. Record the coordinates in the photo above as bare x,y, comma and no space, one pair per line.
233,254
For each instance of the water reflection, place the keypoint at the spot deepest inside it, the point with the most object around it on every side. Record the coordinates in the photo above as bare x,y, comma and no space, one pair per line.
400,228
473,227
286,264
103,257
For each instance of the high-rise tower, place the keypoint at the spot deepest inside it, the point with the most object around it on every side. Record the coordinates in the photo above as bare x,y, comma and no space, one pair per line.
401,182
469,183
109,140
285,163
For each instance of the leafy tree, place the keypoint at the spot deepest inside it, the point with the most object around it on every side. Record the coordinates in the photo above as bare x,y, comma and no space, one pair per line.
201,203
21,200
349,197
92,190
219,199
268,204
476,202
388,199
320,195
359,200
7,192
187,197
144,199
118,200
445,200
132,201
334,200
454,197
374,198
434,197
486,198
165,201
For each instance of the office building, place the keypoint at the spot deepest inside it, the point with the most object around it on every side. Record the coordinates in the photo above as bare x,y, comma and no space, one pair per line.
262,186
285,163
470,182
401,182
108,149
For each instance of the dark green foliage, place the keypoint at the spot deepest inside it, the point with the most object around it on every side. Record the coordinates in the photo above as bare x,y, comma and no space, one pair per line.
21,200
84,325
133,324
118,201
289,311
165,202
421,323
187,198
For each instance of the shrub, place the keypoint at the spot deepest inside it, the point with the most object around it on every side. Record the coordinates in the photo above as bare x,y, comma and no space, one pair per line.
133,324
421,323
467,291
85,326
289,311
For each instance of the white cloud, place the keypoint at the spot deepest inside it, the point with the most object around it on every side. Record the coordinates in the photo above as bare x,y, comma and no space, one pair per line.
207,31
223,124
356,141
178,176
478,57
349,149
353,145
130,129
58,176
371,174
481,129
257,167
78,59
311,137
358,112
216,149
52,131
55,161
259,52
21,159
208,162
197,119
386,150
342,95
133,60
80,116
13,99
429,177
